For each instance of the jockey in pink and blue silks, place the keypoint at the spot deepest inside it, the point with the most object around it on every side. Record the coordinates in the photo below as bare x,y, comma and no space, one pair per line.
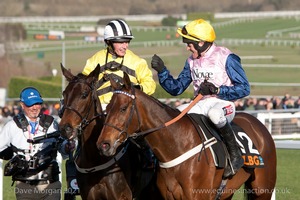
217,74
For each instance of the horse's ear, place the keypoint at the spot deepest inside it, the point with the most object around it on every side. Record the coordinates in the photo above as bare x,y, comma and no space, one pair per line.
98,103
67,73
126,81
95,72
114,83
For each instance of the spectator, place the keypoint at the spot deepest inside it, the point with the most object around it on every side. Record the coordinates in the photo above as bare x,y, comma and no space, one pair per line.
240,104
297,103
33,165
6,112
261,104
16,110
277,103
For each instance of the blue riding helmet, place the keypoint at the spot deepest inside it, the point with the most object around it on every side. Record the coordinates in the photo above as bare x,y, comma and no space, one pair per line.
30,96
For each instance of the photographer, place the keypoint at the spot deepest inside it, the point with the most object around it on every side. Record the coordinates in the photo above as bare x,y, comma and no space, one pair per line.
31,141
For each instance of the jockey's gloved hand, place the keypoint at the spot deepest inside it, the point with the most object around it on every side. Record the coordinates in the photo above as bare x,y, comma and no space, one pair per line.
70,146
157,63
208,88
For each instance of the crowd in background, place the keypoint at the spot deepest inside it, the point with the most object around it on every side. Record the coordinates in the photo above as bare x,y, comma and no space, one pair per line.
249,103
7,112
253,103
287,102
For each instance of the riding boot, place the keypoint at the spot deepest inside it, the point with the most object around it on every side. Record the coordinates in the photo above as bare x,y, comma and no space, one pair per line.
234,152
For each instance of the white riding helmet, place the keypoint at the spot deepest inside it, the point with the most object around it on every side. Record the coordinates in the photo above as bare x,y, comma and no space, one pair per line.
117,31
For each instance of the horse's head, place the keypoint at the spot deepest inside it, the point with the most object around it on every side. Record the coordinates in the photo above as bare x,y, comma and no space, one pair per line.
80,102
122,118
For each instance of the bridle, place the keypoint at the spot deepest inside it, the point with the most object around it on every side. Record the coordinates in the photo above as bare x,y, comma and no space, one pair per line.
85,122
84,119
133,110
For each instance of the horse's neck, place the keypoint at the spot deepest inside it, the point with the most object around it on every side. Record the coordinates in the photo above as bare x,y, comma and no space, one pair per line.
172,140
88,148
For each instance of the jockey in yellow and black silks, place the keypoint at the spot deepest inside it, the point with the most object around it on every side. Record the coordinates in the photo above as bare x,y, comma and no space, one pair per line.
117,58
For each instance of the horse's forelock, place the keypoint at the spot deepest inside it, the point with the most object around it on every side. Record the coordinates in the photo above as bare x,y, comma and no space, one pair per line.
80,76
77,78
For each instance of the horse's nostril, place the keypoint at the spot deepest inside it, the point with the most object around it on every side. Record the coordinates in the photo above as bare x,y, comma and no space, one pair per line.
66,131
105,146
69,129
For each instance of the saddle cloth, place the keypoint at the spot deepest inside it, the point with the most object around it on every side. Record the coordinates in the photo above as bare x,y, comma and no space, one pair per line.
250,154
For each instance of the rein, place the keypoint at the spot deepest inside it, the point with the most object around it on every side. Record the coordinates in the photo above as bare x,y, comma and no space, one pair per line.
172,121
136,135
106,165
177,160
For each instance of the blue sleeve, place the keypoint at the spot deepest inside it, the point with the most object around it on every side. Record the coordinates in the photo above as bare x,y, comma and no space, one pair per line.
236,73
177,86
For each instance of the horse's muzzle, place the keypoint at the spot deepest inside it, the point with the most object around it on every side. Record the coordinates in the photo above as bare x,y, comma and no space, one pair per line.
105,149
66,131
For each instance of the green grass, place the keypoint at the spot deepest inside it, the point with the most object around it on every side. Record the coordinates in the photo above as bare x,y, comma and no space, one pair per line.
8,190
287,185
175,56
257,28
288,177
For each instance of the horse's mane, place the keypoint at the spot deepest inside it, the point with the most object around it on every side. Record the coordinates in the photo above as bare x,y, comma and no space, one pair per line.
162,105
80,75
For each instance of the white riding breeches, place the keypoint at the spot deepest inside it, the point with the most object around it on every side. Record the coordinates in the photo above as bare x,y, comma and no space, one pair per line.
217,110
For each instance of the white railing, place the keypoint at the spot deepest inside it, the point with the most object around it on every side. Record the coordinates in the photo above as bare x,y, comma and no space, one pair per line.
266,42
258,14
282,124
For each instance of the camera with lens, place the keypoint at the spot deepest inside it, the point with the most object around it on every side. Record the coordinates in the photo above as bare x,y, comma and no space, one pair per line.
16,165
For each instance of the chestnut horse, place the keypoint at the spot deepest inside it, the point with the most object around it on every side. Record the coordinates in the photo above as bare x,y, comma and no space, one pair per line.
99,177
132,113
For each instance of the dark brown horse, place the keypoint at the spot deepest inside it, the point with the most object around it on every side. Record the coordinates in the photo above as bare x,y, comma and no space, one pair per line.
132,113
98,177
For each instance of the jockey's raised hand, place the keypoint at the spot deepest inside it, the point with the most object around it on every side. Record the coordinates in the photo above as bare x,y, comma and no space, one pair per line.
157,63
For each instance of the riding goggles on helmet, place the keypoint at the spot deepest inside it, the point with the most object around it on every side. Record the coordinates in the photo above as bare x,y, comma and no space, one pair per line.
198,30
186,33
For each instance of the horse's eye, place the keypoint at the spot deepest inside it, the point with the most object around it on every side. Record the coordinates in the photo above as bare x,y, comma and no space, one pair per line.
123,109
85,94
